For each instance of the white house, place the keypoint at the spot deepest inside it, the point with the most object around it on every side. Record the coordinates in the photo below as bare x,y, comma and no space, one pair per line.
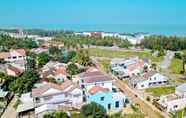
95,78
125,68
13,55
174,102
67,94
54,70
149,79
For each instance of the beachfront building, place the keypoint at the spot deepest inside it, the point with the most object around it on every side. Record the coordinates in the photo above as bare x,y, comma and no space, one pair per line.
175,101
149,79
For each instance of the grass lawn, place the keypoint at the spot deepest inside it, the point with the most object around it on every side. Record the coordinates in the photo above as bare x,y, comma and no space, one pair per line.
158,91
121,54
176,66
105,65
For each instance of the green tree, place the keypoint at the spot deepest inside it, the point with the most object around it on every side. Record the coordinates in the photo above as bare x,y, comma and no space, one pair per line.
93,110
73,69
83,58
24,83
42,59
55,53
56,115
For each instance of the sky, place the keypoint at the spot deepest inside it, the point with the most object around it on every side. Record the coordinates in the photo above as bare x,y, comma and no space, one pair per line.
46,12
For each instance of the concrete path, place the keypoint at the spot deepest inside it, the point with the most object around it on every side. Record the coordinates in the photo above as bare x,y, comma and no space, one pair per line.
10,112
167,60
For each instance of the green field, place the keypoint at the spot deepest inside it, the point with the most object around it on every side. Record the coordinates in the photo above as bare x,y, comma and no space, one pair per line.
158,91
122,54
176,66
105,65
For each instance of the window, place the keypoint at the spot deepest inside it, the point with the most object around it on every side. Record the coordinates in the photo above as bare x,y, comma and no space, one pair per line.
109,106
14,57
175,106
142,85
154,78
102,98
117,104
20,56
102,84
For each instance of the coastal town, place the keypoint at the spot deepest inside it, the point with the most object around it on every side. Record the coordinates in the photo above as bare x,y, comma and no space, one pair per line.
91,75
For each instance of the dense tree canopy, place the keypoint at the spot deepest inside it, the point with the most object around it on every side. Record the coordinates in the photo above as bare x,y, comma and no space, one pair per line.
73,69
24,83
165,42
42,59
7,42
93,110
77,41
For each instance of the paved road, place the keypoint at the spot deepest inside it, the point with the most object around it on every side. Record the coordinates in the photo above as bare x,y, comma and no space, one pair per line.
10,111
149,110
167,60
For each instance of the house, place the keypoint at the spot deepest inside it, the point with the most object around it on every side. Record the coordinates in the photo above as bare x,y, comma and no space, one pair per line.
175,101
54,70
125,68
14,71
93,78
58,96
13,55
26,106
106,98
149,79
39,50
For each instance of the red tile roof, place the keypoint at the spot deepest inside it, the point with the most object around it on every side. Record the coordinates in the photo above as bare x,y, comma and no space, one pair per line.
96,89
7,54
14,69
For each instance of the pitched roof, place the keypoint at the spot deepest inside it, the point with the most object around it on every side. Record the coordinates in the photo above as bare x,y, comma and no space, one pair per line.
149,74
54,71
97,76
21,51
47,86
8,54
4,55
96,89
15,69
181,87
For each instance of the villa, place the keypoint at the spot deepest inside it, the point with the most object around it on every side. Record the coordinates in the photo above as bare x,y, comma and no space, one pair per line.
54,70
149,79
125,68
175,101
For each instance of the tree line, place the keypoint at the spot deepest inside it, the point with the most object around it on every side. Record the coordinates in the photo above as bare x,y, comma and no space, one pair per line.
173,43
72,40
7,42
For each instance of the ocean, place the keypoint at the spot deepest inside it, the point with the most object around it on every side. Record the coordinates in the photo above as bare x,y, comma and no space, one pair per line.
176,29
